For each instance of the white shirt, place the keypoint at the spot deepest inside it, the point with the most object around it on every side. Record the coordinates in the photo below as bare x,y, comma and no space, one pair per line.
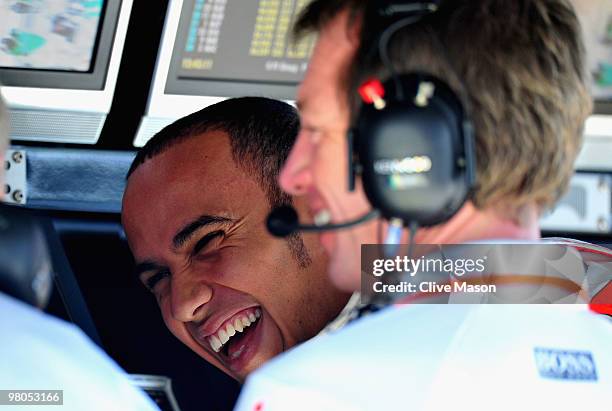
451,357
40,352
446,357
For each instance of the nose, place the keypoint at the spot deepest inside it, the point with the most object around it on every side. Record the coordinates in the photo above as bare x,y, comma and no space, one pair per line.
188,296
296,175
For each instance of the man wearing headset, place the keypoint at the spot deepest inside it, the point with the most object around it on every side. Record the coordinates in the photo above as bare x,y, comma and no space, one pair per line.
38,351
518,69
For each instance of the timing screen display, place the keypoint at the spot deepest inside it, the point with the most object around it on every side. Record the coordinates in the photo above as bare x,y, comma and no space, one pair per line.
49,34
241,40
596,20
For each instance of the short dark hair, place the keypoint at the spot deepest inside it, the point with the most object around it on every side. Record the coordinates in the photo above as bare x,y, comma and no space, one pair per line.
261,133
521,65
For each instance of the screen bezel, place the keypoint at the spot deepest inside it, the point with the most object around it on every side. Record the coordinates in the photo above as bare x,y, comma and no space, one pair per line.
227,89
94,79
602,107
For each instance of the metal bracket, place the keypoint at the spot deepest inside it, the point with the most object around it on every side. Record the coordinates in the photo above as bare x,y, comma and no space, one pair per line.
15,177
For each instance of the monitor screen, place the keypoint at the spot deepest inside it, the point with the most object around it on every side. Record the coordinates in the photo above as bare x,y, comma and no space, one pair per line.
59,62
237,41
596,20
49,34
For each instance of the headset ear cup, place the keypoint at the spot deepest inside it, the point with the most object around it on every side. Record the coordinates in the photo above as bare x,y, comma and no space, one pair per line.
416,154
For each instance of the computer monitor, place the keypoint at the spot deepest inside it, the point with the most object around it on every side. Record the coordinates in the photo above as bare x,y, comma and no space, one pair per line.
215,49
596,19
59,61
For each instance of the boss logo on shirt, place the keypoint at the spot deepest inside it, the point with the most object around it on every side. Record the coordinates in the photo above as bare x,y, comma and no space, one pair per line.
565,365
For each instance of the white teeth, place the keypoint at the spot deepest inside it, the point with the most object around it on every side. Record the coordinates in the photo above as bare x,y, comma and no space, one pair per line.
215,344
322,217
226,333
238,325
223,336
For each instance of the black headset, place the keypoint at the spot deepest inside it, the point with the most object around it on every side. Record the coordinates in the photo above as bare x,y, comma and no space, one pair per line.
412,140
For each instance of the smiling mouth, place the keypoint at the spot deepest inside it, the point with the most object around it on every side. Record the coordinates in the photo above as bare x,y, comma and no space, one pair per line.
229,340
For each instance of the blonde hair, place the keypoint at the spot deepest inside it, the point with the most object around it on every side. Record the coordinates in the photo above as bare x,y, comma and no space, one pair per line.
521,64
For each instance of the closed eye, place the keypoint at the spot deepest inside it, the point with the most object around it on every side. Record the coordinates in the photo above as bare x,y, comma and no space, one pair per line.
204,243
152,281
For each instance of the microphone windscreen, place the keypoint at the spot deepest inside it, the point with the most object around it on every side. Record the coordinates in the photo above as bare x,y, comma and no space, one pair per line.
282,221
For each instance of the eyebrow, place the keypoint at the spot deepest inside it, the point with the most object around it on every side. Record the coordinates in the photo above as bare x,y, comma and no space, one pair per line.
191,228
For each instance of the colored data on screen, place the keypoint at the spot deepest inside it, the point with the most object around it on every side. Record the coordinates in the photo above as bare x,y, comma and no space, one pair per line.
240,40
49,34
